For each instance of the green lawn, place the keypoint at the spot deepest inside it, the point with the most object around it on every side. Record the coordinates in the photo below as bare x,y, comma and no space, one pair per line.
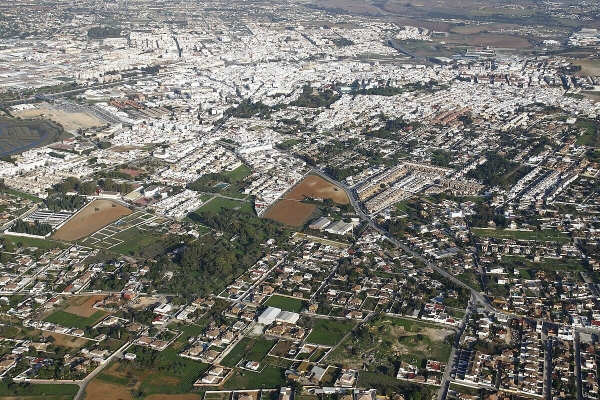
239,173
47,392
329,332
269,377
583,139
34,242
69,320
545,235
286,303
259,350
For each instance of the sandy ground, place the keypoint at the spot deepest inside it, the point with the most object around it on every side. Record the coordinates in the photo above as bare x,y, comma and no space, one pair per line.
290,212
83,305
69,121
314,186
89,220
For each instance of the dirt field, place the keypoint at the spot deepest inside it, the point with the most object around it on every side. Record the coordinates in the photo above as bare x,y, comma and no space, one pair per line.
588,67
314,186
66,340
69,121
97,390
88,220
290,212
83,306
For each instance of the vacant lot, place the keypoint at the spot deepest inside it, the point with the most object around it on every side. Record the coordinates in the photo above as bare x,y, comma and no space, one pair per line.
69,121
93,217
316,187
291,212
98,390
83,305
329,332
286,303
66,340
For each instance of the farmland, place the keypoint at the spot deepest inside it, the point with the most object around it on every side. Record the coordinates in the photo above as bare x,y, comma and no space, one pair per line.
69,320
93,217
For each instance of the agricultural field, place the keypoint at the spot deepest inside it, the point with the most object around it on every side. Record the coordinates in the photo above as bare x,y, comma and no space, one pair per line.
291,211
83,306
94,216
69,320
17,136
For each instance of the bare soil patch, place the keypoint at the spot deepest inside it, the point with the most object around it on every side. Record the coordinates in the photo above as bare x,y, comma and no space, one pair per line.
66,340
69,121
314,186
83,306
291,212
98,390
588,67
95,216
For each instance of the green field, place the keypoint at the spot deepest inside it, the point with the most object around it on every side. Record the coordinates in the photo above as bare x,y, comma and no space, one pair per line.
545,235
69,320
248,349
34,242
134,240
583,140
239,173
269,377
329,332
286,303
47,392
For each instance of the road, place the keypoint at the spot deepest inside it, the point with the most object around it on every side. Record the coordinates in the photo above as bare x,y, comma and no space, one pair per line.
577,366
450,366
